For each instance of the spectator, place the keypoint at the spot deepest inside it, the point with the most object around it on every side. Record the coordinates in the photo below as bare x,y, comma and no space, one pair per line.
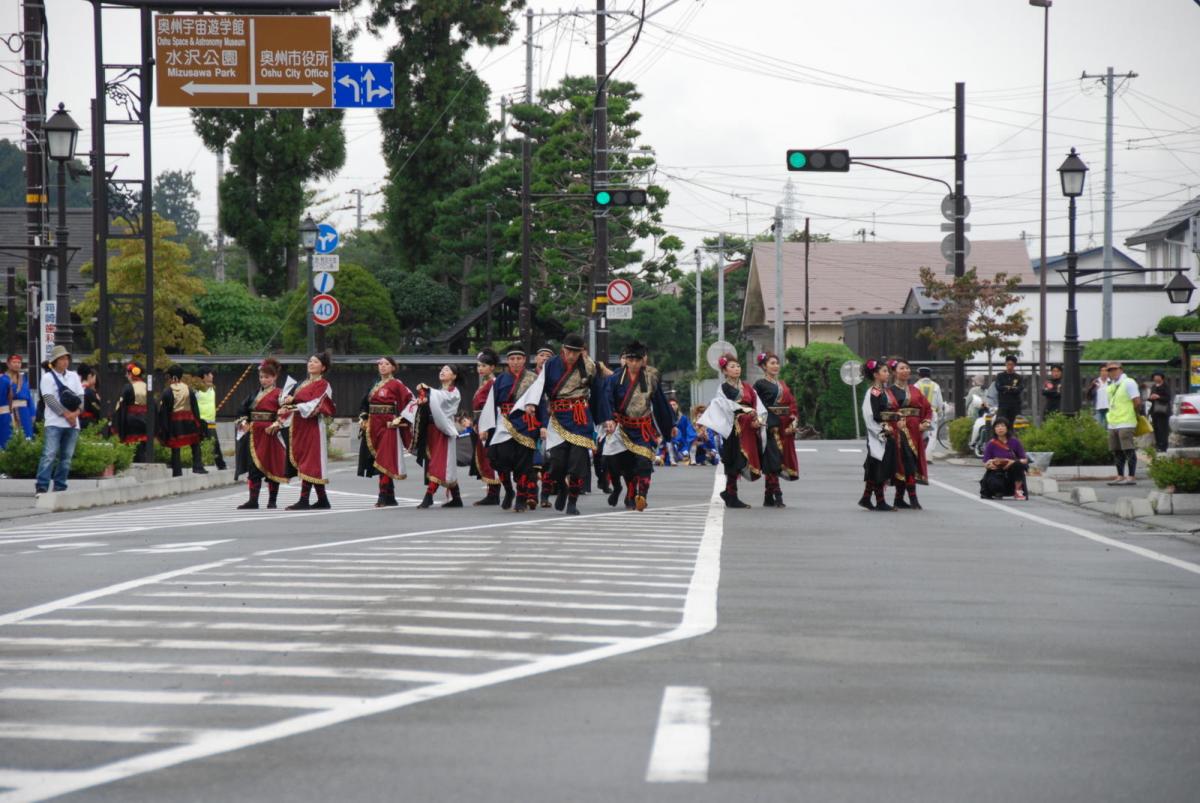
1160,410
1005,460
206,400
89,414
1010,388
1124,401
1052,391
62,421
932,392
1097,392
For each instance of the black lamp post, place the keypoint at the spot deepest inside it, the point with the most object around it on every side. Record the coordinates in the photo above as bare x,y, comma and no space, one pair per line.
308,238
1072,172
62,134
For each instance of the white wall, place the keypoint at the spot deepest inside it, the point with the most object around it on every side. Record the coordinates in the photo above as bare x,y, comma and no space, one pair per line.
1134,315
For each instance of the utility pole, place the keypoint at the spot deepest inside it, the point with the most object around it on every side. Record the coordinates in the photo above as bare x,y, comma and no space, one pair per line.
699,316
778,280
1109,91
525,316
807,319
960,197
35,179
721,286
219,269
357,209
600,175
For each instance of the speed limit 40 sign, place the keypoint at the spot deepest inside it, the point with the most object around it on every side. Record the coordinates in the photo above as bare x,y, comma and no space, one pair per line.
325,309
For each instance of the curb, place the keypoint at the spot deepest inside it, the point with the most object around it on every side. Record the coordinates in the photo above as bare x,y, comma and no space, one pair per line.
132,489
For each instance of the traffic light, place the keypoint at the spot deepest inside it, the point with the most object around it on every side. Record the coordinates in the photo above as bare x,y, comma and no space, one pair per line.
607,198
818,161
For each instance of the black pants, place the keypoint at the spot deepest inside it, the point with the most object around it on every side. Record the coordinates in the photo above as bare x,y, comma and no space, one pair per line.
218,457
1010,411
1002,482
1162,429
567,459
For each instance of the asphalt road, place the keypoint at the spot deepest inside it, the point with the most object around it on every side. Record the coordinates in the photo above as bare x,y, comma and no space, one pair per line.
186,651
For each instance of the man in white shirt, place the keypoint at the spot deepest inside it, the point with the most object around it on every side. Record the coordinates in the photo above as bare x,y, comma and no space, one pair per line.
62,424
1099,394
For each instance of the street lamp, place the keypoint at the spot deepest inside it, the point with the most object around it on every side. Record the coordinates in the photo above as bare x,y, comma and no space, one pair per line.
1179,289
308,238
1045,5
62,133
1072,173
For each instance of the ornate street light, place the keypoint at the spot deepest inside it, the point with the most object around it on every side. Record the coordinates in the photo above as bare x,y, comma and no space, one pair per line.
308,238
1180,289
62,134
1073,172
308,234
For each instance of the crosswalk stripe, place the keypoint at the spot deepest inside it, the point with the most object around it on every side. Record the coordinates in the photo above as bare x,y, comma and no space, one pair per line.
516,603
103,733
426,587
147,697
511,577
149,668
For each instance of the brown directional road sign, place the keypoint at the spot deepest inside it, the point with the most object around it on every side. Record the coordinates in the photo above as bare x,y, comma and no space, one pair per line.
226,62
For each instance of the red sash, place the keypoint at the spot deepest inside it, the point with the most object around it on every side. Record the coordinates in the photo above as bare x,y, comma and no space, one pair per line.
383,441
266,449
307,442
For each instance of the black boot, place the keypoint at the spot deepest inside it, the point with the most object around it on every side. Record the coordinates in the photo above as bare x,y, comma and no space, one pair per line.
509,493
272,495
768,499
426,502
560,500
898,502
572,510
252,502
779,499
912,499
865,502
491,498
176,464
197,463
322,502
614,495
455,498
881,504
731,500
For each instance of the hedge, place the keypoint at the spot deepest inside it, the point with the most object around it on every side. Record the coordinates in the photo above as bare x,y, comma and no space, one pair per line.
1075,440
960,433
822,398
1182,473
94,453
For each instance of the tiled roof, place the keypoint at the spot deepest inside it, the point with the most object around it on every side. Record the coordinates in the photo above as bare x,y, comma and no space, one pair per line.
1161,227
854,278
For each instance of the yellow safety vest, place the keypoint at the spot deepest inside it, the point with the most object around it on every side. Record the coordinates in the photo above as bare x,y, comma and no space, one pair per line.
1121,412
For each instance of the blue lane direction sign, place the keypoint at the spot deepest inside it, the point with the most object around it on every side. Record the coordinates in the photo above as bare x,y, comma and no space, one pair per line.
323,282
364,85
327,239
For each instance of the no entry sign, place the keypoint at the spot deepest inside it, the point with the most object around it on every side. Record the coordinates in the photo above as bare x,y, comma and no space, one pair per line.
620,291
325,309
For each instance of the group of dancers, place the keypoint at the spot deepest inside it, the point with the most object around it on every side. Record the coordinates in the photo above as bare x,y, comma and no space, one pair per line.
578,414
897,417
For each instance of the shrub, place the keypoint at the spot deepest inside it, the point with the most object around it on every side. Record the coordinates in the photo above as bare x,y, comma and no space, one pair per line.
822,398
1181,472
960,433
1074,439
163,455
93,454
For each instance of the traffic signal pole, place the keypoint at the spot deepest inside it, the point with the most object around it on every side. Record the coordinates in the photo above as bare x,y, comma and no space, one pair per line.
600,173
960,256
525,315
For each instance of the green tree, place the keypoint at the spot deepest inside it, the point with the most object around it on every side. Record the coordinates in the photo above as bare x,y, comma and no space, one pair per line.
664,324
439,136
175,195
976,314
235,321
423,307
367,324
12,180
175,294
823,401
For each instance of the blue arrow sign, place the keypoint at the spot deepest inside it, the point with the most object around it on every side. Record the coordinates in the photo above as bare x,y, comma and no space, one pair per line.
327,239
364,85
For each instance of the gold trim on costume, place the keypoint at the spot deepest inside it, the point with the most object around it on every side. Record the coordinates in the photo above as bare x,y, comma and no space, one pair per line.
640,451
258,465
571,437
524,440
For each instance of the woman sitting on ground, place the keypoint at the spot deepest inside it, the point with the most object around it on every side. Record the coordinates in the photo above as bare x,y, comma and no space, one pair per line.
1005,460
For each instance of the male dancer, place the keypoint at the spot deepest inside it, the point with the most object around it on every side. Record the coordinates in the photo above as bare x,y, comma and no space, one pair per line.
512,418
575,391
640,418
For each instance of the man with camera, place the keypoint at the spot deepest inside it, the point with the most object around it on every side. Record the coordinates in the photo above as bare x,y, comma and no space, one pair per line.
62,394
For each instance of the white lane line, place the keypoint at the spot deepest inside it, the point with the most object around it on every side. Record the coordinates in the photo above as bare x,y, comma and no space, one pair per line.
106,733
146,697
443,565
798,449
683,737
851,451
1187,566
699,618
146,625
148,668
515,603
266,646
408,613
573,592
514,577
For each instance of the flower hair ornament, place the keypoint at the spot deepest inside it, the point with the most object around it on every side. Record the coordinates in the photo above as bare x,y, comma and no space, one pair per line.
892,364
134,369
763,356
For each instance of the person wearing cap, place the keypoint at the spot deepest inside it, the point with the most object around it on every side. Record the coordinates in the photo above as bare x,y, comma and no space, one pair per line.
1010,389
1124,404
739,416
513,417
16,401
383,431
129,417
304,412
640,418
1052,391
179,422
437,436
779,450
261,450
206,400
481,467
62,394
575,397
932,392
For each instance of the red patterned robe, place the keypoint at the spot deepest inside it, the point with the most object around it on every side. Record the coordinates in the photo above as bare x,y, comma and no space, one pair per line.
916,410
386,401
780,448
481,466
312,402
267,449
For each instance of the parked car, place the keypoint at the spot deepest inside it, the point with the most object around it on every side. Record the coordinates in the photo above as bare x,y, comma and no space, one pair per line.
1186,417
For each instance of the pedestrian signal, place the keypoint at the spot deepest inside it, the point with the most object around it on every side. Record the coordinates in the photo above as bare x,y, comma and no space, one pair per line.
818,161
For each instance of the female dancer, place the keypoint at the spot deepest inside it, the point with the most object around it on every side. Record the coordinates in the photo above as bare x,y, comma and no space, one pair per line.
437,436
383,431
304,413
179,422
916,415
129,418
738,414
779,454
880,465
261,451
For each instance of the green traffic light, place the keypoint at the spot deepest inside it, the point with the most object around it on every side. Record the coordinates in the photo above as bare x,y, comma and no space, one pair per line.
603,198
797,160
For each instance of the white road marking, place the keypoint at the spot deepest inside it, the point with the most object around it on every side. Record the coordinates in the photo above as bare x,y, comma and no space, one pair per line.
149,668
145,697
851,451
798,449
516,603
424,587
105,733
1187,566
683,737
512,576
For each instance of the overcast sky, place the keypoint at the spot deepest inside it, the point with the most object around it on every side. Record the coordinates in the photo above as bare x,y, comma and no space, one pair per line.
730,86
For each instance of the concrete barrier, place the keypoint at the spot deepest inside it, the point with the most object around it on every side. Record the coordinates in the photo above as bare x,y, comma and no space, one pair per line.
1083,495
1132,507
147,482
1040,486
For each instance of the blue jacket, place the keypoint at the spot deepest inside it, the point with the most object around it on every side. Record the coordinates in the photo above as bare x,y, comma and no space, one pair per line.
579,396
